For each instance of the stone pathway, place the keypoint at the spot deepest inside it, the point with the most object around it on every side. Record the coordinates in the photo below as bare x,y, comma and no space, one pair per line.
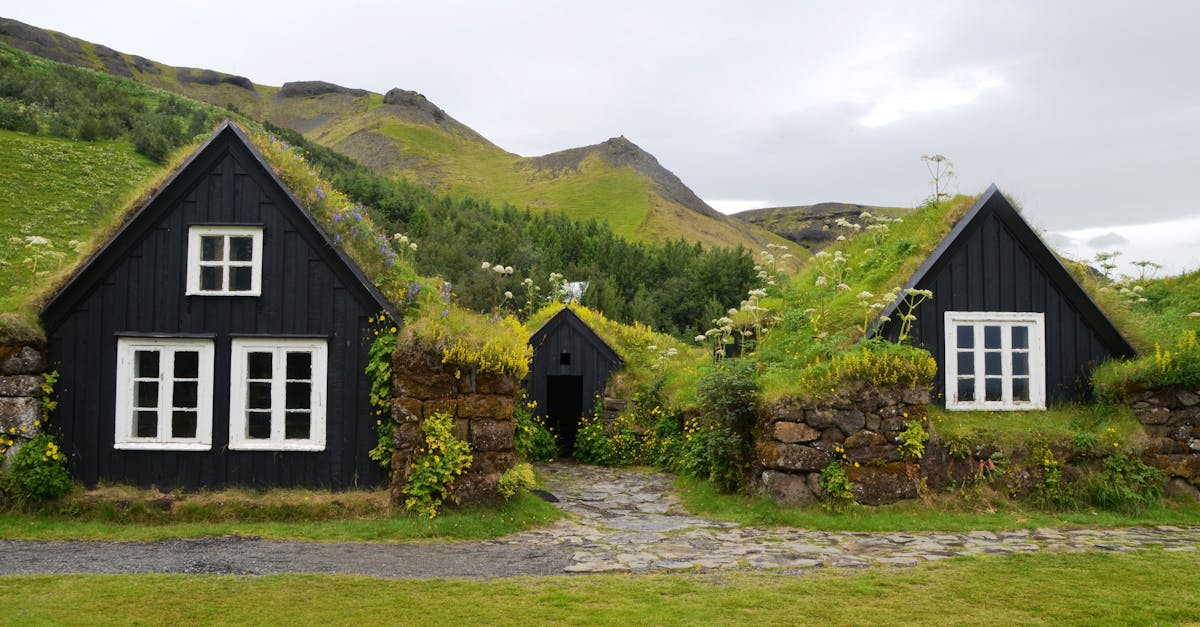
628,520
621,520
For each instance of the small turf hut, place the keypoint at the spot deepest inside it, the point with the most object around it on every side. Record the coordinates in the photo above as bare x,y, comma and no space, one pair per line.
570,369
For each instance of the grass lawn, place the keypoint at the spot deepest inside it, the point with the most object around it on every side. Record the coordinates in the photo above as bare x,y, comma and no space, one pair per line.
936,513
271,518
1144,587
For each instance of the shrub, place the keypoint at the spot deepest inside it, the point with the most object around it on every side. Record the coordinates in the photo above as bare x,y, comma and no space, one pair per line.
729,402
1126,485
532,441
913,440
439,462
519,478
592,445
39,470
379,371
838,494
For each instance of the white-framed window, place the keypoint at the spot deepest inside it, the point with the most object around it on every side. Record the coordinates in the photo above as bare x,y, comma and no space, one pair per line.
164,394
995,360
277,394
224,260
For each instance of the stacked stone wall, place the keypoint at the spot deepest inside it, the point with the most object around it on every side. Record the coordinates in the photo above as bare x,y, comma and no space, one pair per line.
21,370
1171,417
800,438
482,406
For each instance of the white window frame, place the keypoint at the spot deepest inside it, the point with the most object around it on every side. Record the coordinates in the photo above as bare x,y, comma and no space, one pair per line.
240,348
1034,321
196,232
124,437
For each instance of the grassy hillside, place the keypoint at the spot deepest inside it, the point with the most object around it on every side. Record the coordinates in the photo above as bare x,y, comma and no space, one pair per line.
403,134
60,190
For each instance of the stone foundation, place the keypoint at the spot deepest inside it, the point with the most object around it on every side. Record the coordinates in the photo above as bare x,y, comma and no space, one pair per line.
799,439
1171,417
482,406
21,369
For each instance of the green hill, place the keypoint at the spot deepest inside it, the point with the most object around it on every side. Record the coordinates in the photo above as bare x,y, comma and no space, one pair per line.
813,226
402,133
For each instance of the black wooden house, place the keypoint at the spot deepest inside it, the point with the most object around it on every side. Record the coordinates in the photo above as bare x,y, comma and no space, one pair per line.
219,338
1009,326
571,366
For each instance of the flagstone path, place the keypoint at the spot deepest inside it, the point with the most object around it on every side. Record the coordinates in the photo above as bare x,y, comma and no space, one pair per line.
621,521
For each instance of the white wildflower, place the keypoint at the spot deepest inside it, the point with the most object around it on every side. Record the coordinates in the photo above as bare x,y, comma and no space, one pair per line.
37,240
507,295
699,338
485,266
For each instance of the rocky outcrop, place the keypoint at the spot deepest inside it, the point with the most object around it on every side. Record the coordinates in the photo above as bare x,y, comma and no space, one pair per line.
413,100
306,89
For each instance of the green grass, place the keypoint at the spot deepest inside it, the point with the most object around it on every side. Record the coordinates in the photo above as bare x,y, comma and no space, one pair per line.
1146,587
61,190
1105,424
936,513
284,523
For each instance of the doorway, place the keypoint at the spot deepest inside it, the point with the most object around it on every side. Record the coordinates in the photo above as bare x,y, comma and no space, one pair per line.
564,407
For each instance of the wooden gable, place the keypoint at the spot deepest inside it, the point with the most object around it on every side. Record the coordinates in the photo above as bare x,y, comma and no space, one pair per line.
993,261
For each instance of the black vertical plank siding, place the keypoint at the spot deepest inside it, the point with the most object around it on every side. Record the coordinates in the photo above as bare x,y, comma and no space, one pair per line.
591,357
993,261
136,285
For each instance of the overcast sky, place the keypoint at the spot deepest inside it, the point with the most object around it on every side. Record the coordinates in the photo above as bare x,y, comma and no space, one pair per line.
1085,113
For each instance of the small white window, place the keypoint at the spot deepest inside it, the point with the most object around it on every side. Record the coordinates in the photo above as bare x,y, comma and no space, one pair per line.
995,360
277,395
224,260
164,394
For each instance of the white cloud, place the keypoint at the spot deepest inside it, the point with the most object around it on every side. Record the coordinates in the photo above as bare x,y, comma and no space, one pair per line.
930,96
1174,244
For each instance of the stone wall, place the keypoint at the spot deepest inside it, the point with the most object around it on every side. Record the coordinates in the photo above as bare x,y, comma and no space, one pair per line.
800,438
1171,416
482,406
21,369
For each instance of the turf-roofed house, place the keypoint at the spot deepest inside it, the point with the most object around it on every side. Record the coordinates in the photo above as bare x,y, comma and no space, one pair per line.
570,369
1009,326
218,338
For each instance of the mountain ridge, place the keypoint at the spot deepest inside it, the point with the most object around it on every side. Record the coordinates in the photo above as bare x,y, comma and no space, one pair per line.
403,133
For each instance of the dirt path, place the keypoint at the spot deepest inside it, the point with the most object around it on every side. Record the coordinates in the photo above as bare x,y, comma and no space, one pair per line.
621,520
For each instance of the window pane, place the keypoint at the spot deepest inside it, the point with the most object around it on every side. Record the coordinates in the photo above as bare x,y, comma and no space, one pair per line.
185,394
299,366
211,278
145,394
241,248
966,362
1020,363
187,365
212,247
259,396
299,396
258,425
183,424
296,425
1020,388
966,390
1020,337
240,279
145,424
991,337
145,364
258,365
991,363
993,389
966,337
